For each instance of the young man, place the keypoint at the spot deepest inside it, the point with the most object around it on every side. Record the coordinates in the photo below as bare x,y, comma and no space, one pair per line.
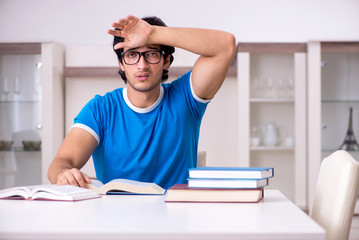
148,131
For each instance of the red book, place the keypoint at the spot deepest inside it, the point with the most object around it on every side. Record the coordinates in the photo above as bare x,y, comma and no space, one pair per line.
183,193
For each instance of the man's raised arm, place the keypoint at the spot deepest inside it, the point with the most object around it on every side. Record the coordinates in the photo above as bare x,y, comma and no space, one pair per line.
216,49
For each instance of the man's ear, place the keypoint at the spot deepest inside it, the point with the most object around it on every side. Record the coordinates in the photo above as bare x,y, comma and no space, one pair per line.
121,65
167,62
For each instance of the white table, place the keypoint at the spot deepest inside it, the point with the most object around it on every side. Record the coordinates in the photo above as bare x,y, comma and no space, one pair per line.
149,217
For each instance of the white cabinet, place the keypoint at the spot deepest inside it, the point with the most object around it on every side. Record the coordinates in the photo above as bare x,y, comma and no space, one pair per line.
315,111
31,109
333,74
272,92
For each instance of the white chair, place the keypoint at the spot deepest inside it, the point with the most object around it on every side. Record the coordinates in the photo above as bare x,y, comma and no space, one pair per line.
336,194
201,158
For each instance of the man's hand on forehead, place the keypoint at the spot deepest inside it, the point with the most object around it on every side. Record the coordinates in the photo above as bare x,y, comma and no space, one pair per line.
135,31
121,24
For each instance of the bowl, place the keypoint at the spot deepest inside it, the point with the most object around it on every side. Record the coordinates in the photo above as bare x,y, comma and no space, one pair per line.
5,145
31,145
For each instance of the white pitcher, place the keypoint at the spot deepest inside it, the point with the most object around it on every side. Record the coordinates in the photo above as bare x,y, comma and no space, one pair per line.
270,135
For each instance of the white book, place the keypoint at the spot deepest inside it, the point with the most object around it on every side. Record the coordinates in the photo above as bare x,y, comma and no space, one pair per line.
232,172
227,183
48,192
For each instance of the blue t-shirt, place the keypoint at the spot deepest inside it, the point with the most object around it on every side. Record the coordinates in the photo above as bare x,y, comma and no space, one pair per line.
157,144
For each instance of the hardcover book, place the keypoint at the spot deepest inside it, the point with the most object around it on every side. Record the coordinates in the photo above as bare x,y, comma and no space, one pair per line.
231,172
48,192
125,186
183,193
227,183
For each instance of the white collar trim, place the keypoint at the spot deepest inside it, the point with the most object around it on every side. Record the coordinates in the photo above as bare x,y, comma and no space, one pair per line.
142,110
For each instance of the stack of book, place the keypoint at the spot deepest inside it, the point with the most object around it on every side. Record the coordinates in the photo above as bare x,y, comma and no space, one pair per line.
222,184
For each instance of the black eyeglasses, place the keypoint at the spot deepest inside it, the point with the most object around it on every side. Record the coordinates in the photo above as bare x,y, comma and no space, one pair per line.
133,57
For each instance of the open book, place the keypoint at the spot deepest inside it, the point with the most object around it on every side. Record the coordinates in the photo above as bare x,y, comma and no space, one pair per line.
48,192
125,186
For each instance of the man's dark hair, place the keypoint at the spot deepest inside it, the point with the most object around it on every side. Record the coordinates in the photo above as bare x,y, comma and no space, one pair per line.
168,50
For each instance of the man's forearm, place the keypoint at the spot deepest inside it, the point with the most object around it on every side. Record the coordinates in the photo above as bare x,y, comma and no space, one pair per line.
204,42
57,166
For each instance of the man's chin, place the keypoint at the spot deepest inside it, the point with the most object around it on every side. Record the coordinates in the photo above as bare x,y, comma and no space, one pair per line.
143,87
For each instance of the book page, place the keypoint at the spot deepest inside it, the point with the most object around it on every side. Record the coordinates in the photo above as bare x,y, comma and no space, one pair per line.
15,192
96,183
63,192
51,196
59,189
95,186
132,182
132,186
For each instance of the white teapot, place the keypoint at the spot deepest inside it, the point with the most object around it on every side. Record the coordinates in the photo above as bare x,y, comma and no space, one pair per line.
270,135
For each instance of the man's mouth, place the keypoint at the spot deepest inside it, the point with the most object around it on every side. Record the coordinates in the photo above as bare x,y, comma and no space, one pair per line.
142,76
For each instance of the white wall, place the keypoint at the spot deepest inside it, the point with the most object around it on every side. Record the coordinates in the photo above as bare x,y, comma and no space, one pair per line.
80,25
86,21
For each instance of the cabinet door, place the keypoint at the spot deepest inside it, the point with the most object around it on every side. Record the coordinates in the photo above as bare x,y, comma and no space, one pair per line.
272,114
20,115
27,113
334,89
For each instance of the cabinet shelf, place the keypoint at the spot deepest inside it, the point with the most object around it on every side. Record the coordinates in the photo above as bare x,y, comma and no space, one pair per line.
276,148
340,100
271,100
335,149
20,150
3,170
112,72
21,101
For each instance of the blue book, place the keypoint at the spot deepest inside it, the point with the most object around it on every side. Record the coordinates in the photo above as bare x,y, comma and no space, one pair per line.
232,172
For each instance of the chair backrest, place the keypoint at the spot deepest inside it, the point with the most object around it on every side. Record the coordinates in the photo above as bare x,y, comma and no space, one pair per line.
201,158
336,194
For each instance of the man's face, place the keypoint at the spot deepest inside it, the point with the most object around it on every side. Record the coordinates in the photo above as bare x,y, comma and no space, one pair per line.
144,76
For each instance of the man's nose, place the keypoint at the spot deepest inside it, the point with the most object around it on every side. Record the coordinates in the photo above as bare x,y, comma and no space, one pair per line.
142,62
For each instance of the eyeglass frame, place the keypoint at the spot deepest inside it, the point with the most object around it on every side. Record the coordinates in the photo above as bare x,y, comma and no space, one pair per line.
162,53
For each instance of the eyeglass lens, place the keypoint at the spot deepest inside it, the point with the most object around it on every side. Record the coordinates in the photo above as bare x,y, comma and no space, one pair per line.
132,57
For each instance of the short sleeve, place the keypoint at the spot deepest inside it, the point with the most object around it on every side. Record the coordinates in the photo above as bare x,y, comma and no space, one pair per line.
89,118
